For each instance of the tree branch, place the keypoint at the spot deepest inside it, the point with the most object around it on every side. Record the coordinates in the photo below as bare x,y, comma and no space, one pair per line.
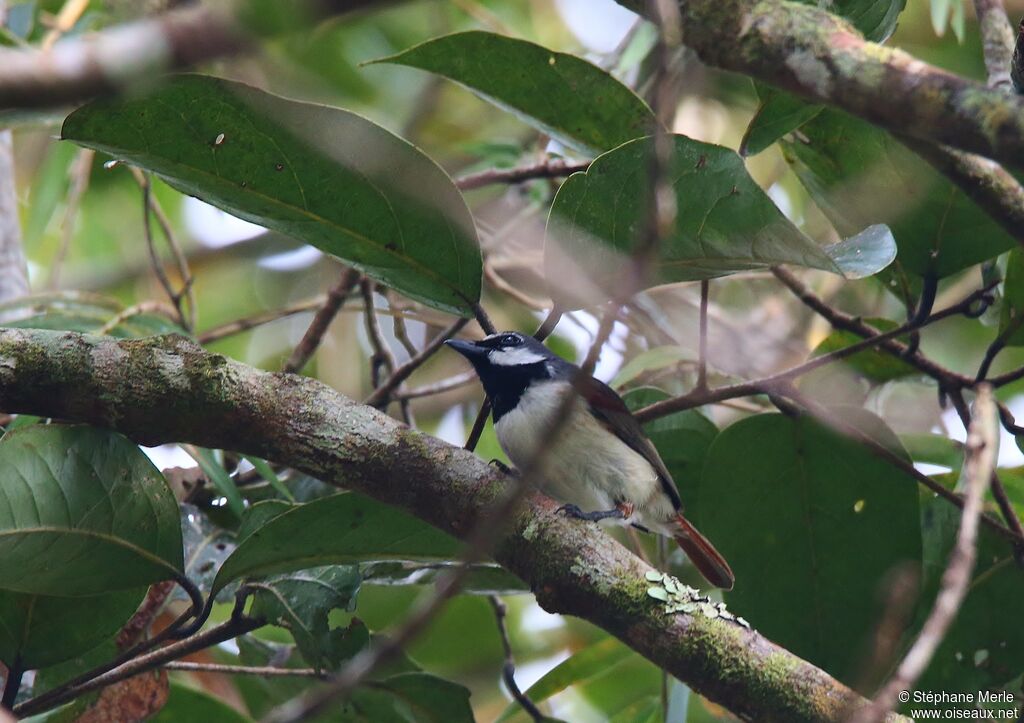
167,389
78,68
820,57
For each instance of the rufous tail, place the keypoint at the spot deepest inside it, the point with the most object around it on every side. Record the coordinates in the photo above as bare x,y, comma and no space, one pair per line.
702,553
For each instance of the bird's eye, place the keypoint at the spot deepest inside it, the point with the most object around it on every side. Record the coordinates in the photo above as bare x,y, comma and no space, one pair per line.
510,340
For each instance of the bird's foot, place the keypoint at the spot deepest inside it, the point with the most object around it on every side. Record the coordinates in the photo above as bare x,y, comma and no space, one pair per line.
504,467
570,510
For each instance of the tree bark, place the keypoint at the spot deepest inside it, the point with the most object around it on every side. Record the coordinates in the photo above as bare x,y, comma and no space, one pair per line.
168,389
821,57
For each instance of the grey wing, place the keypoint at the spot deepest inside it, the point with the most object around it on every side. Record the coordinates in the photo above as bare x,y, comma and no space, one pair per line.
613,413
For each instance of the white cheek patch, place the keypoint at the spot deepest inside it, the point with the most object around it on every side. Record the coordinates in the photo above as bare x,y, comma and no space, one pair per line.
513,357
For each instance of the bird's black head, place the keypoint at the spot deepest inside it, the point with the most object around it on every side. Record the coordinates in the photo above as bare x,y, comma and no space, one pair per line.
507,363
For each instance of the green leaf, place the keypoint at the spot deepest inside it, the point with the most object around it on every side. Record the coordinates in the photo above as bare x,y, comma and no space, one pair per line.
267,472
301,601
812,523
187,705
860,175
660,357
725,223
583,665
207,546
934,449
83,512
323,175
1011,322
86,313
984,648
342,529
561,95
409,697
219,476
41,631
875,19
682,439
876,365
778,114
483,579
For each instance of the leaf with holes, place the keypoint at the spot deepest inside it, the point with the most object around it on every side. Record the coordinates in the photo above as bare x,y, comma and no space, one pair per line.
337,530
300,602
323,175
559,94
724,224
83,512
786,501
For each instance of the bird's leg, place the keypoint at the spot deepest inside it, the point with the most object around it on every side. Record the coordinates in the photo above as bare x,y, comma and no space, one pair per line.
504,467
621,511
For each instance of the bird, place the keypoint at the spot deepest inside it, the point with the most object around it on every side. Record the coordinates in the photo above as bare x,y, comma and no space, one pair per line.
601,461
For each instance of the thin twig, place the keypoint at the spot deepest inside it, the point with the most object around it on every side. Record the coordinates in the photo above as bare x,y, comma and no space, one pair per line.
235,626
67,17
250,322
947,377
80,171
262,671
979,464
998,344
702,337
445,385
150,205
143,307
398,307
699,397
383,358
996,484
383,393
336,296
553,168
997,41
508,670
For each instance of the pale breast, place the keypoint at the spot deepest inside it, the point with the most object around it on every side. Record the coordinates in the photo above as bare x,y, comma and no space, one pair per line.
588,465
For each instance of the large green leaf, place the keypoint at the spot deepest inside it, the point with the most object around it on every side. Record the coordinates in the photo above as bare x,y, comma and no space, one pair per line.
562,95
779,113
40,630
301,601
985,646
83,512
336,530
324,175
812,523
861,175
725,223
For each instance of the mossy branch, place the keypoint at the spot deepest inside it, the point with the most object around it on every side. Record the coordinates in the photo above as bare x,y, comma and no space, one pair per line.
821,57
168,389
